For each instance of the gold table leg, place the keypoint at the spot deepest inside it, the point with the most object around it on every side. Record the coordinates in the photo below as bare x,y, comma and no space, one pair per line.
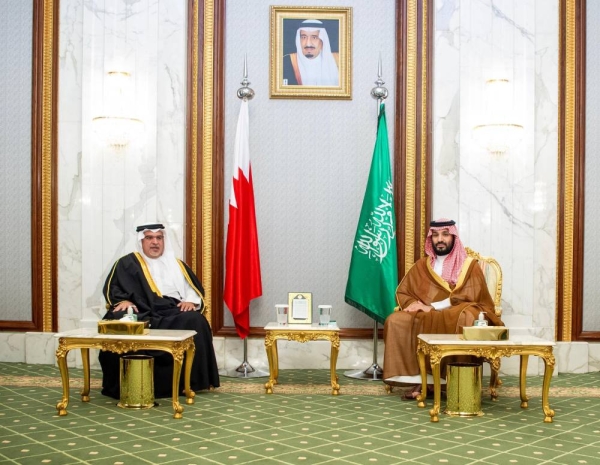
494,380
189,358
61,359
275,362
335,387
523,380
548,369
423,369
177,359
437,391
271,348
85,359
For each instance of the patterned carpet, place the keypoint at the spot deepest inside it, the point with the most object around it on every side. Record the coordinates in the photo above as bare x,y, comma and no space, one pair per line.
301,423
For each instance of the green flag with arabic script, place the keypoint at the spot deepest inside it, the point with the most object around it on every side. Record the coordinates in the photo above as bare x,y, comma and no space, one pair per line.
373,275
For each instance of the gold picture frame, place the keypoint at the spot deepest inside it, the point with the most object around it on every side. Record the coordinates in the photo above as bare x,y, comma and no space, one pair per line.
300,307
293,52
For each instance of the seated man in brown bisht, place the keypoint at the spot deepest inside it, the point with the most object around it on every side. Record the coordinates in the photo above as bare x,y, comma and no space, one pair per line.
441,293
165,292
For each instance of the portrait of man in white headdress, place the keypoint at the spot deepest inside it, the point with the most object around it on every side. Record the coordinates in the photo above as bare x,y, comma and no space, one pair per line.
311,53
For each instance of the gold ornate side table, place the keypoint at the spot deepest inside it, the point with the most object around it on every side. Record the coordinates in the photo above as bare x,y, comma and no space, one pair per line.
176,342
438,346
300,333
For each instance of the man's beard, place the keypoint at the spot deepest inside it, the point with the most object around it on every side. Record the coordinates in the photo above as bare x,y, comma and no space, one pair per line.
445,251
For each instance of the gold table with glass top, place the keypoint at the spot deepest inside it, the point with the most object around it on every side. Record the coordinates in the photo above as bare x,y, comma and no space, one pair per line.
301,333
176,342
438,346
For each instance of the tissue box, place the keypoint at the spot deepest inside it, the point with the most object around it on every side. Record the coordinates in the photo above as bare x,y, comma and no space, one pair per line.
485,333
123,327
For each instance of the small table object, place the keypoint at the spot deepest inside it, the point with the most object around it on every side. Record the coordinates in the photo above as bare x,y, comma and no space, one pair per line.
438,346
176,342
301,333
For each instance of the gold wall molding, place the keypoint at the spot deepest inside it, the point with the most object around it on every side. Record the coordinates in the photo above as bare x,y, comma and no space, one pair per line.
48,136
199,244
411,136
572,179
566,171
192,199
413,141
207,153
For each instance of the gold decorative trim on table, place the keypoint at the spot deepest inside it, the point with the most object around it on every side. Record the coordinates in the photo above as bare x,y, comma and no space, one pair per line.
492,353
300,335
120,346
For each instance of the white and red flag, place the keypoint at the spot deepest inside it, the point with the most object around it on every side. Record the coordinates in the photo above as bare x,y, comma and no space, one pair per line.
242,272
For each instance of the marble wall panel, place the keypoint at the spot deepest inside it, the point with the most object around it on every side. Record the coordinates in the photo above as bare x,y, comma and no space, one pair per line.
144,181
503,204
572,357
594,357
13,347
70,200
40,348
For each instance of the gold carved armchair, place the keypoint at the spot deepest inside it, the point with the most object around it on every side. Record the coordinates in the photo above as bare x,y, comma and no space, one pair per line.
493,278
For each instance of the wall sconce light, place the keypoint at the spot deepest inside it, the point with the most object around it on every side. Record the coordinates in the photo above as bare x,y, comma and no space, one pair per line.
116,126
500,133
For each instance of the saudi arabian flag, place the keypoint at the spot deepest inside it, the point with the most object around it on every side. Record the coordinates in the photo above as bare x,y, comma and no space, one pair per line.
373,275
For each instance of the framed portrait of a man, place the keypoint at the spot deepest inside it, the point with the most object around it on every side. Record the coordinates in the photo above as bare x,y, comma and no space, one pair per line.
311,52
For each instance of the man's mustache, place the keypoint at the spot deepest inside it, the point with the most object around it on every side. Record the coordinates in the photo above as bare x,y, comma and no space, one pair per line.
309,46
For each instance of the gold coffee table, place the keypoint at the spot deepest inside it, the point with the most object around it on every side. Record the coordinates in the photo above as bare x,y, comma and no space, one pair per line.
438,346
176,342
300,333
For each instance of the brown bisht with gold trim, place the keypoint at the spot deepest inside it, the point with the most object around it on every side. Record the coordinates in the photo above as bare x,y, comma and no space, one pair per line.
467,298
